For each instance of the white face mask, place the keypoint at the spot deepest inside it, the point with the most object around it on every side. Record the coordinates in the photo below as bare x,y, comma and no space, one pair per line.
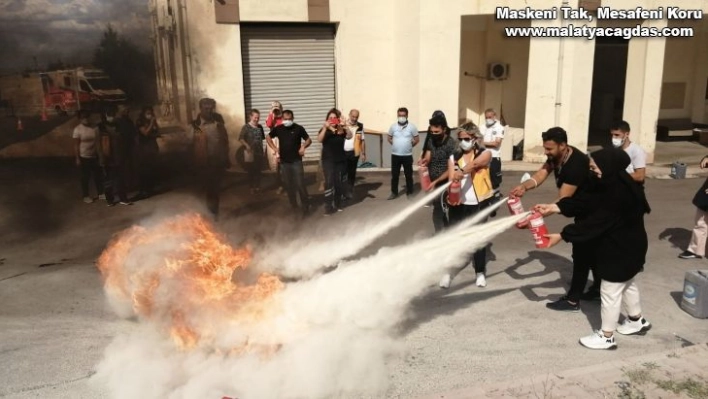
616,142
466,145
109,119
489,121
402,120
288,123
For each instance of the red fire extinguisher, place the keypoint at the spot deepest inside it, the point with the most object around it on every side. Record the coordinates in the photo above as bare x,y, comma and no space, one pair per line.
516,208
453,192
538,230
424,177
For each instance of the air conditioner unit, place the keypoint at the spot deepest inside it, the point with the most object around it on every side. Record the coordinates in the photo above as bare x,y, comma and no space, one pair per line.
497,71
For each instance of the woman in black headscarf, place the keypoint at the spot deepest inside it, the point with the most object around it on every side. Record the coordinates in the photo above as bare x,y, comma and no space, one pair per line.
615,206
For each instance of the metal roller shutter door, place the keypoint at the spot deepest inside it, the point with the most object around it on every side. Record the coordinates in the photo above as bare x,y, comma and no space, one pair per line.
293,64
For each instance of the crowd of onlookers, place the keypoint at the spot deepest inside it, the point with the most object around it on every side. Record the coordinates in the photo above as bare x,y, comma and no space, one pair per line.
117,153
603,191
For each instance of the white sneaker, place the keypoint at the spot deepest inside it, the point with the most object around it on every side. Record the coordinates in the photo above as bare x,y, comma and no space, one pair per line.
629,327
88,200
102,197
598,340
481,280
445,281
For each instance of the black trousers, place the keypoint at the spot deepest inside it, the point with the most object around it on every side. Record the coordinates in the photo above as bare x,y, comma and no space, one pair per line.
461,212
210,178
147,167
255,169
583,262
115,183
334,172
407,162
495,173
91,168
293,175
440,219
349,178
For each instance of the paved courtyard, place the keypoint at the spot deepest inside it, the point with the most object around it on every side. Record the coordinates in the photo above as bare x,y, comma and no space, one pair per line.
462,342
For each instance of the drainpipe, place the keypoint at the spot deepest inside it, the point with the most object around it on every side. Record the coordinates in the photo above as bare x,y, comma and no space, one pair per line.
559,77
186,57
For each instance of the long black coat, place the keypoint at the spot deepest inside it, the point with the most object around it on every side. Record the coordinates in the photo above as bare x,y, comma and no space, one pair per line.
615,206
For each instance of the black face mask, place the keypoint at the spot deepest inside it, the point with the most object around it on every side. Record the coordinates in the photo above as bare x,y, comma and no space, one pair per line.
438,138
594,182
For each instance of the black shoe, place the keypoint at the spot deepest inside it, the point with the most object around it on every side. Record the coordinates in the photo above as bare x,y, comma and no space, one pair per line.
392,197
592,295
563,305
689,255
330,211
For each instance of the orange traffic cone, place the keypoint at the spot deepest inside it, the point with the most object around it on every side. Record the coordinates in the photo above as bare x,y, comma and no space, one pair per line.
19,125
44,114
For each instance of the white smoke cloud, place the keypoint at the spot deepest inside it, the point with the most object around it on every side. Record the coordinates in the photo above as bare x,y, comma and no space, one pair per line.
337,330
310,259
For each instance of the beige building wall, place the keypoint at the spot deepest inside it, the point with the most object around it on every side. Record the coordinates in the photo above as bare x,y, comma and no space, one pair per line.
645,61
366,61
415,54
686,70
559,91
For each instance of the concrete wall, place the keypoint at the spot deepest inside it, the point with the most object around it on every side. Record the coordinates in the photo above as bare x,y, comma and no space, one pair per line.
415,54
483,42
366,62
686,63
559,89
679,66
24,93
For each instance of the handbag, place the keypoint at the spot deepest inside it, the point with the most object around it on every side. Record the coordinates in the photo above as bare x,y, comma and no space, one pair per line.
700,200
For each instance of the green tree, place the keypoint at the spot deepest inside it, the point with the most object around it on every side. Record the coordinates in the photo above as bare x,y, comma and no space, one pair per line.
131,68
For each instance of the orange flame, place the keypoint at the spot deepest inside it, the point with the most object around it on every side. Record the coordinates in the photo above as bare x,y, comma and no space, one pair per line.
179,275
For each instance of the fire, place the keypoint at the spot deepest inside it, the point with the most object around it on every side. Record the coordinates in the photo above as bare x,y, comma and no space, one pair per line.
179,275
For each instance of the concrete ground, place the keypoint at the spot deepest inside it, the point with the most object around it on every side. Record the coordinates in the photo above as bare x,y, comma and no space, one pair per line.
54,323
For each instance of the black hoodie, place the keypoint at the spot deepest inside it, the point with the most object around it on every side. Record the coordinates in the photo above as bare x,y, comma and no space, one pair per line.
615,206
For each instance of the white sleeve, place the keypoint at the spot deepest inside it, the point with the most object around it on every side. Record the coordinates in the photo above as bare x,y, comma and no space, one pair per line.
76,133
639,158
499,131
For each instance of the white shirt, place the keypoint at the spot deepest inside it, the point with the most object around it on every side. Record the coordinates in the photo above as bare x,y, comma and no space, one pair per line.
637,156
467,194
491,133
349,143
88,137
